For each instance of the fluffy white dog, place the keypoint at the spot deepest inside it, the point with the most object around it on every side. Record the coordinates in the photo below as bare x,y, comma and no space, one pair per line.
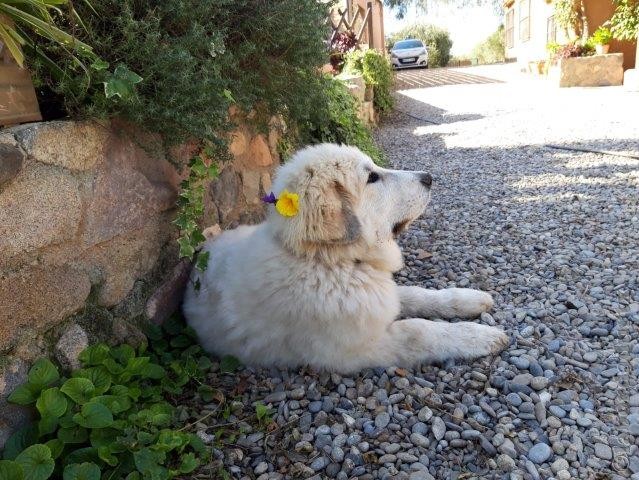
316,287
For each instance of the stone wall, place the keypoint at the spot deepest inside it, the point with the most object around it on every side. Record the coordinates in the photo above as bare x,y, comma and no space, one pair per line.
594,71
86,234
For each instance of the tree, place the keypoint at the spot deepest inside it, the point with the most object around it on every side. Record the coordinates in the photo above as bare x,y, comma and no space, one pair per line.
491,50
624,24
403,6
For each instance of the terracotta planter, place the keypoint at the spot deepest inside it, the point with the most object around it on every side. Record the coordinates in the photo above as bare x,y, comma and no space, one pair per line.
602,49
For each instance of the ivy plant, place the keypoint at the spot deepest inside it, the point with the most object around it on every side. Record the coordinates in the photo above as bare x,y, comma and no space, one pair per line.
116,416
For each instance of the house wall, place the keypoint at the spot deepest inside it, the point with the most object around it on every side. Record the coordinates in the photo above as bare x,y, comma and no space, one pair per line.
534,49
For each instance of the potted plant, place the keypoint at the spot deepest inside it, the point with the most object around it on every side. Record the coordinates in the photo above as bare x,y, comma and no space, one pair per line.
601,38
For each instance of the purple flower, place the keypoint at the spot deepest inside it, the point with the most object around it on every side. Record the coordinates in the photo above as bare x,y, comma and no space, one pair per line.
270,198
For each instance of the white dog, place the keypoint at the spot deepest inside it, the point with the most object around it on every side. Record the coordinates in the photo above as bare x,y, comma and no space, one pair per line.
316,287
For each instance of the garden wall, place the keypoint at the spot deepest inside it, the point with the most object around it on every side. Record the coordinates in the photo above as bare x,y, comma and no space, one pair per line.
86,234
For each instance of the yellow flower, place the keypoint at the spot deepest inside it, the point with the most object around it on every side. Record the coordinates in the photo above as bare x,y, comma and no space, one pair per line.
287,204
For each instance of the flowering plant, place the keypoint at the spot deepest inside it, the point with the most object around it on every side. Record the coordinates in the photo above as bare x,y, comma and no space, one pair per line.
286,205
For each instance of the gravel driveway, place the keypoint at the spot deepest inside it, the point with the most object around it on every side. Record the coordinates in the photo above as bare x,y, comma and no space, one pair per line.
554,236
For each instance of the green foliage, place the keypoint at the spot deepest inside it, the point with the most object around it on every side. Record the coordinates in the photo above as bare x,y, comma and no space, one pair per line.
334,119
624,23
437,39
191,206
113,418
602,36
377,72
180,64
491,50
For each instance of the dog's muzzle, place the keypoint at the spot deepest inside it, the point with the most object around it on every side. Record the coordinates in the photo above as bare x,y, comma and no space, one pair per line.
425,179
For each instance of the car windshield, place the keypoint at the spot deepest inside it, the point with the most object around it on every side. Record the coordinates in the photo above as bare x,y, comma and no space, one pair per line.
408,44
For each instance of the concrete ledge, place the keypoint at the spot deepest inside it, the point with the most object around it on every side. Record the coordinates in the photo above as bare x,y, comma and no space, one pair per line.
631,80
595,71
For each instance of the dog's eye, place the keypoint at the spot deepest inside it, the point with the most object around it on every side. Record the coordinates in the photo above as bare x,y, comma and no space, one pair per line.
372,177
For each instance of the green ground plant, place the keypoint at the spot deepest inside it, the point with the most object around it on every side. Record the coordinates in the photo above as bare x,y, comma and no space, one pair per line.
116,417
377,73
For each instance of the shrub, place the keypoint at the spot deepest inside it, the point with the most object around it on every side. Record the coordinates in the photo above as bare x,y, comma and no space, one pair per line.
570,50
491,50
116,417
343,43
377,72
602,36
437,39
335,120
194,59
624,23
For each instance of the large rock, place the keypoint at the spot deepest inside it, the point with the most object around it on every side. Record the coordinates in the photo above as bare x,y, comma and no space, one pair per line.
259,153
595,71
13,372
72,145
40,207
116,264
70,344
36,297
122,201
225,191
11,159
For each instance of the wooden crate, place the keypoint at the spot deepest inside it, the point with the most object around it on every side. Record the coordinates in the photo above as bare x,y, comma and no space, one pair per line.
18,103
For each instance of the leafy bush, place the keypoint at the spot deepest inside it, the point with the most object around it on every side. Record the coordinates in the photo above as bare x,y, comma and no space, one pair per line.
194,59
491,50
116,417
624,23
437,39
602,36
335,120
342,43
570,50
377,72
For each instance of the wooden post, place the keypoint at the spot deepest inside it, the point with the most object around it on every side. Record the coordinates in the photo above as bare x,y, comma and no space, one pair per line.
369,8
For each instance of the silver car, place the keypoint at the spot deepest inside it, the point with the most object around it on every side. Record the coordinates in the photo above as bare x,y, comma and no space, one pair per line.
409,53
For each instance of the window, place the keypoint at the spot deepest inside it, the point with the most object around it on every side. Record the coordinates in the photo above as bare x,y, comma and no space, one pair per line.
510,28
551,30
524,20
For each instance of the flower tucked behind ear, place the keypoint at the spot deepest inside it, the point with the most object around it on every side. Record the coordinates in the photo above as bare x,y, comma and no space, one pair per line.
287,204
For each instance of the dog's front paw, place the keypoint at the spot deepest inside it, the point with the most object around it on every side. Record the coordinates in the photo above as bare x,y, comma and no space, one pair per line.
481,340
469,303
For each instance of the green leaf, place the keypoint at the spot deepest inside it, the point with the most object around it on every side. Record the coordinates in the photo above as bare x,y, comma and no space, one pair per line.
123,354
10,470
19,440
98,376
47,425
121,83
82,471
189,463
94,355
43,373
107,456
36,462
229,364
56,446
115,403
262,412
153,371
52,403
169,440
100,65
147,463
101,437
112,366
73,435
180,341
186,249
202,261
135,366
93,415
78,389
25,394
82,455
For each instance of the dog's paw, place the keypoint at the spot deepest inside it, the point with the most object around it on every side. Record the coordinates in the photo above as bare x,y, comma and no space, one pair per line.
481,340
469,303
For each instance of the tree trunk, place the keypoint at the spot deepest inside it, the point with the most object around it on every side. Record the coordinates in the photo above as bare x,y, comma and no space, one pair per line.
584,22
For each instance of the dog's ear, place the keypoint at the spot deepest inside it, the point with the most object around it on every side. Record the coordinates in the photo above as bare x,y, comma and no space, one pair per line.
327,214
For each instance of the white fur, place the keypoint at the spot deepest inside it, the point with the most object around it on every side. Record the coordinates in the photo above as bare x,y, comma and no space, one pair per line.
317,288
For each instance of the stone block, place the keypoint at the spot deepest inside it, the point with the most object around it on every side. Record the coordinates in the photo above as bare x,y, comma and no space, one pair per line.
594,71
70,344
225,191
40,207
11,160
38,297
74,145
239,142
259,153
251,186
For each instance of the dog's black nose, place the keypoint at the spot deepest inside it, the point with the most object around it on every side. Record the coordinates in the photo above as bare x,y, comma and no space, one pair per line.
425,179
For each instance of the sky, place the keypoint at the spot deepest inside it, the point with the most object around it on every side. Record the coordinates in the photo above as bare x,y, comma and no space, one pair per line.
467,26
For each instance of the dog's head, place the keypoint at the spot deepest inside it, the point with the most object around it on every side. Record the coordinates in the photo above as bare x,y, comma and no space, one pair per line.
346,202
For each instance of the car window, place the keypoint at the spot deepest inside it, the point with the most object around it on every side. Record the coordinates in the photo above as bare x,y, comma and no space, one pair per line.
408,44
